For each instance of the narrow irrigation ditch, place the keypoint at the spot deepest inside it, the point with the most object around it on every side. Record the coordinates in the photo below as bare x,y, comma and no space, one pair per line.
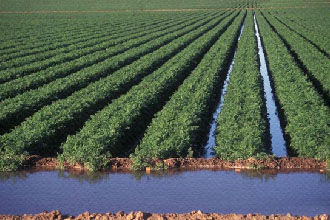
278,144
211,135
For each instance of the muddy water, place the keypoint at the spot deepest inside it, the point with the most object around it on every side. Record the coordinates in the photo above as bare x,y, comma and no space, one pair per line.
298,193
277,138
209,152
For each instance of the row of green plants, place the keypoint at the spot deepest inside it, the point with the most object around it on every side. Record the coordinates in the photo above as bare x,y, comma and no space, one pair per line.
90,40
128,116
178,130
102,52
242,123
66,116
30,37
15,110
303,114
310,23
32,53
27,40
60,31
97,46
23,31
86,5
318,40
317,65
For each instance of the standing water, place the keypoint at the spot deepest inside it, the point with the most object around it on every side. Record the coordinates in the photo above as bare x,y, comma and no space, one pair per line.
211,137
277,139
178,191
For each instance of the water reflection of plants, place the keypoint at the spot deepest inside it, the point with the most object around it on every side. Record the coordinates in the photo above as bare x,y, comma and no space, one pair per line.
258,174
83,176
13,176
98,177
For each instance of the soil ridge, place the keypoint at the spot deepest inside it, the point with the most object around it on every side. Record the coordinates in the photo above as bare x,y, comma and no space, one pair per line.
56,215
197,163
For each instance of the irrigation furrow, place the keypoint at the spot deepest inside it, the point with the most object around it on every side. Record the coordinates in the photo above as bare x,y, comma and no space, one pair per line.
82,58
242,123
123,27
15,110
54,56
128,116
33,41
211,141
30,27
28,61
311,26
278,145
14,59
179,129
302,111
75,109
32,81
324,52
312,62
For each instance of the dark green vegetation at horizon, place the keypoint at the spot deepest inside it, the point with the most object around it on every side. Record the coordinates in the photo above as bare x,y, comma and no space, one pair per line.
88,86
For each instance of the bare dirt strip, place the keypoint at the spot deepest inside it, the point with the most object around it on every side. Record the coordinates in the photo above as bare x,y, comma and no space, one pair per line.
56,215
154,10
195,163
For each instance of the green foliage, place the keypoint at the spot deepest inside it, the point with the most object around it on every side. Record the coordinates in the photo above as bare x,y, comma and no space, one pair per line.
10,161
306,117
117,70
241,131
82,55
128,116
190,152
93,159
178,129
317,65
104,5
308,25
14,110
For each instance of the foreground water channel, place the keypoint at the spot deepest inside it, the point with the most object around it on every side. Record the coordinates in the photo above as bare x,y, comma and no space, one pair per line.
174,191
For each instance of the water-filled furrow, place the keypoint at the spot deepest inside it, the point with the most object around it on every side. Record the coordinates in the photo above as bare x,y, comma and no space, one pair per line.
211,135
277,139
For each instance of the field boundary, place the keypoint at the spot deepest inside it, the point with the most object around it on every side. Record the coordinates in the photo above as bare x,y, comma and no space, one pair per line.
155,10
117,164
57,215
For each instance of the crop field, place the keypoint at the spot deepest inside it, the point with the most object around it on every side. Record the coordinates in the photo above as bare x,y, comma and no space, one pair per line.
89,81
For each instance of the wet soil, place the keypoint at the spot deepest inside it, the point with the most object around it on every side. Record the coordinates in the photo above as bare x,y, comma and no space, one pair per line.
197,163
56,215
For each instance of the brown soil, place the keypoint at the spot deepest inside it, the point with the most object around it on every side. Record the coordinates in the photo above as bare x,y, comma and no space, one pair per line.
196,163
56,215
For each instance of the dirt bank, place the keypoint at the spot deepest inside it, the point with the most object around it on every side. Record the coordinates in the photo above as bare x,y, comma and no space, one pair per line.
199,163
142,215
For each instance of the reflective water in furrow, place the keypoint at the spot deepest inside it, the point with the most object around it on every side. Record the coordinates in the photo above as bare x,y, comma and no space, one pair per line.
265,192
277,138
209,152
